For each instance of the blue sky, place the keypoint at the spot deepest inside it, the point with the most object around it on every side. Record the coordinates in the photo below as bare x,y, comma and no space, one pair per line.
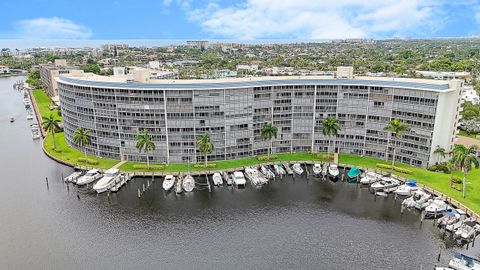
237,20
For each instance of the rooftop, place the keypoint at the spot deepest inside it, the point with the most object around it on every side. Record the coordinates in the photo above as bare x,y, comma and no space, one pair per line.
89,79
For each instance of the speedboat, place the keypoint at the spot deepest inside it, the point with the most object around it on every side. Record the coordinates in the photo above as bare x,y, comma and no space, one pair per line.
168,182
107,181
449,218
407,189
35,131
463,262
436,208
239,179
370,178
12,120
387,184
188,183
452,227
267,173
279,169
227,178
333,170
73,176
297,168
419,200
89,177
467,230
178,185
217,179
29,117
353,174
317,169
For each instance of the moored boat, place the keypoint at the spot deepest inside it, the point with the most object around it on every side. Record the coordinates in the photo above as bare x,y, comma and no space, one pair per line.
468,230
407,189
464,262
370,178
227,178
353,174
419,200
91,176
178,185
168,182
74,176
107,181
217,179
239,179
188,183
387,184
297,168
333,170
317,169
436,208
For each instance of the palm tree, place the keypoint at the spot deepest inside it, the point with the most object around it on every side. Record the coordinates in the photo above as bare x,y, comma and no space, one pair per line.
205,146
51,124
451,167
464,158
268,133
397,128
440,151
144,142
81,138
330,127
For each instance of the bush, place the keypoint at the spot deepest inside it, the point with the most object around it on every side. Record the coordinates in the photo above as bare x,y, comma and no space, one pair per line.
148,167
442,167
323,156
267,157
456,180
397,169
433,168
203,166
88,161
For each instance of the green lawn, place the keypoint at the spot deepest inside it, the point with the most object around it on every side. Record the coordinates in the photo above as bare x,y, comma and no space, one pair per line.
43,102
466,134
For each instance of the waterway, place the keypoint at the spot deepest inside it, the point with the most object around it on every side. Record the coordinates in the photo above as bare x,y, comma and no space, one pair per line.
293,223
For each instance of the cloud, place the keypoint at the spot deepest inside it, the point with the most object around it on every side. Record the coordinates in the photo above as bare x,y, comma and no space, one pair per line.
51,28
329,19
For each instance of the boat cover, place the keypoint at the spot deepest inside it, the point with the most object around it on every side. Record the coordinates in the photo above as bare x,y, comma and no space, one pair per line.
354,172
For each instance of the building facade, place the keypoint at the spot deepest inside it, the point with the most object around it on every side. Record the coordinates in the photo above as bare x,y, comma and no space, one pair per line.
233,111
49,73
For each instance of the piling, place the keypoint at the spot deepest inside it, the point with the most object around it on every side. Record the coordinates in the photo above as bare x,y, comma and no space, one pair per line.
143,186
138,192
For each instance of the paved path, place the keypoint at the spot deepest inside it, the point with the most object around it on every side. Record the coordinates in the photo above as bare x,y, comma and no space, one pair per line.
467,141
119,164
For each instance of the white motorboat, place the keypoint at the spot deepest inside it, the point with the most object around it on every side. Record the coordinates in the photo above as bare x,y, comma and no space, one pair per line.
117,184
168,182
227,178
35,131
178,185
468,230
279,169
29,117
436,208
387,184
463,262
239,178
107,181
297,168
217,179
72,177
188,183
407,189
456,225
287,168
370,178
333,170
450,217
267,173
91,176
317,169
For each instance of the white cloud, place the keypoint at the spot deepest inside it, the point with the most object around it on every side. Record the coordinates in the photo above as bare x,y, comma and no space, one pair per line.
51,28
315,19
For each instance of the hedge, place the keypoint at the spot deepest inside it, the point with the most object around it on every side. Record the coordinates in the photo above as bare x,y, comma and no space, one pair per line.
148,167
203,166
267,157
88,161
390,167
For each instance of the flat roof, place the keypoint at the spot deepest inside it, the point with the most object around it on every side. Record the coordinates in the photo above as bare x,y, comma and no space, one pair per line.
120,82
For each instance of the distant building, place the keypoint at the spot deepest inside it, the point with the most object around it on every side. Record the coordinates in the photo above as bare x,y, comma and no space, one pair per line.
469,94
48,73
247,67
199,44
112,47
344,73
4,70
443,75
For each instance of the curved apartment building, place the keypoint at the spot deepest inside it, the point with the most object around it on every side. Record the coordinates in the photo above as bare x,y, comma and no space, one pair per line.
233,111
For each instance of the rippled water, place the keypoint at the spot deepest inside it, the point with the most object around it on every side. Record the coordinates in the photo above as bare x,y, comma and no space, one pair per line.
292,223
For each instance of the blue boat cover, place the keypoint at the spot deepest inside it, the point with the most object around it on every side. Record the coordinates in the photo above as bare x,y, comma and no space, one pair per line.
411,183
354,172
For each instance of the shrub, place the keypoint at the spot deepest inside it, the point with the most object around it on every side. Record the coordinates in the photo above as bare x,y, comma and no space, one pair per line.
442,167
456,180
267,157
149,167
203,166
390,167
88,161
433,168
323,156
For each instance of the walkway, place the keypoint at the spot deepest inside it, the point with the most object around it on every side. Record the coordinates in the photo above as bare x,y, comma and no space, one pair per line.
119,164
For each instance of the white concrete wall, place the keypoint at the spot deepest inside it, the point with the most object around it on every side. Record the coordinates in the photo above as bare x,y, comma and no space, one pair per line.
446,119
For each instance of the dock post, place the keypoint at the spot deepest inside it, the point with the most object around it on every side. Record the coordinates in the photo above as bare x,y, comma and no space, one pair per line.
143,185
138,192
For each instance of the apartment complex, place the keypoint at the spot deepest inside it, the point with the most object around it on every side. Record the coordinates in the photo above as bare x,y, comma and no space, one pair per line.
48,73
233,111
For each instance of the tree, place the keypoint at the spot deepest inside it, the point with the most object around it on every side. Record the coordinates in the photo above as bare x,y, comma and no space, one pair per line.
451,167
81,138
145,143
464,158
269,132
330,127
440,151
205,146
397,128
51,125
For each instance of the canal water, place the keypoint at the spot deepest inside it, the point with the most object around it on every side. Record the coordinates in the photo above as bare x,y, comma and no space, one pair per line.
291,223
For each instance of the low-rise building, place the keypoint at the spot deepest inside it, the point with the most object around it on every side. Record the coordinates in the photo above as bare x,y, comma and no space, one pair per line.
4,70
50,71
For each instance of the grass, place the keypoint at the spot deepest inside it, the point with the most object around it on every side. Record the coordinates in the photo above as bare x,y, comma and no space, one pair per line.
466,134
43,102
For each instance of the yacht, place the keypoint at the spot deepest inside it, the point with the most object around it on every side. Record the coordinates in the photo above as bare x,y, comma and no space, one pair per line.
468,230
72,177
436,208
333,170
91,176
227,178
168,182
217,179
239,178
419,200
463,262
317,169
387,184
370,178
407,189
297,168
188,183
107,181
